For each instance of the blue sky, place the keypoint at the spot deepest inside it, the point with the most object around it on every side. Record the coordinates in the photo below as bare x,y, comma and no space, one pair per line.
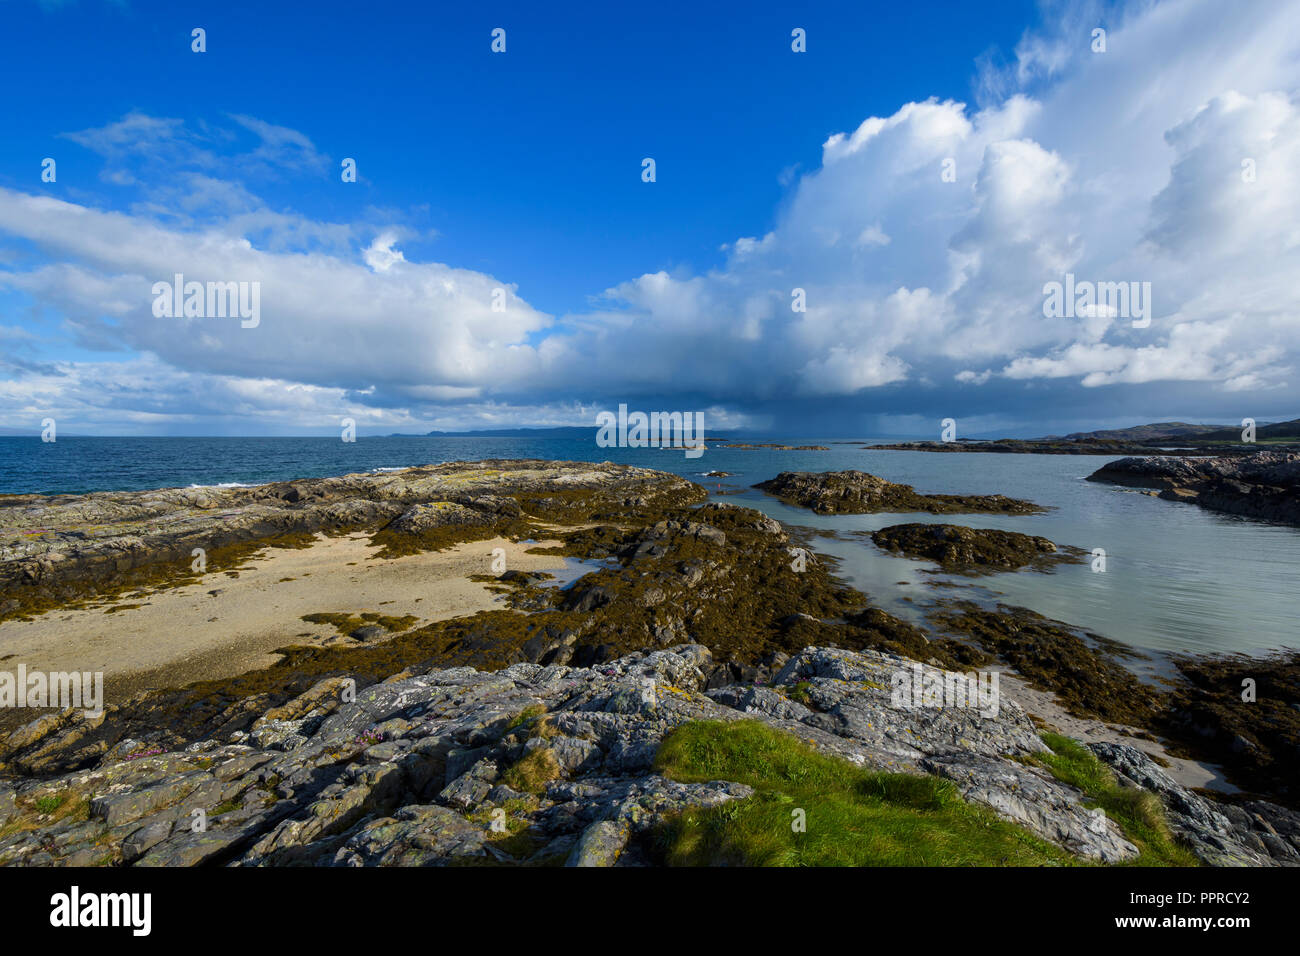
774,170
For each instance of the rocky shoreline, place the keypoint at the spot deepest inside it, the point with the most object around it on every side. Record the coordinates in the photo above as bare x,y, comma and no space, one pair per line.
857,492
1021,446
1265,485
58,549
532,734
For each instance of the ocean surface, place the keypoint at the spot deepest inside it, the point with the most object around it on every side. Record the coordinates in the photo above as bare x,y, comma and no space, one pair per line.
1177,579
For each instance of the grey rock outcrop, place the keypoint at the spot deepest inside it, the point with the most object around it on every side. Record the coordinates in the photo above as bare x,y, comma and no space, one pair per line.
551,764
1220,834
1264,485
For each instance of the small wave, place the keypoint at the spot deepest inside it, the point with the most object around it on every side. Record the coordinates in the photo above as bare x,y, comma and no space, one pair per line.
374,471
226,484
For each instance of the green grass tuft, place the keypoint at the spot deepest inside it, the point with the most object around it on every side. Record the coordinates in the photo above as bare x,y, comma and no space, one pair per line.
532,772
48,804
527,715
800,693
854,817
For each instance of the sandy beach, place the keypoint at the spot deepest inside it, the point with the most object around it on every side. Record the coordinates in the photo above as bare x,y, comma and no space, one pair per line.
227,624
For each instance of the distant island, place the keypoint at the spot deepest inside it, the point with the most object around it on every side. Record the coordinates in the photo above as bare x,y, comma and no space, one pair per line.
1187,433
1151,440
557,431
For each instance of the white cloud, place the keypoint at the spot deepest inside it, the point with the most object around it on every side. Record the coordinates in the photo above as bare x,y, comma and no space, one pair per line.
325,320
380,254
873,236
1122,166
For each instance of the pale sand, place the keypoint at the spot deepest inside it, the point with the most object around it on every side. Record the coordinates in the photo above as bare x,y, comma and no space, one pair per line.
188,633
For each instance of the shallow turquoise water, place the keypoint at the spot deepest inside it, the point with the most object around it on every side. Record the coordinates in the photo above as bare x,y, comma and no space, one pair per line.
1177,579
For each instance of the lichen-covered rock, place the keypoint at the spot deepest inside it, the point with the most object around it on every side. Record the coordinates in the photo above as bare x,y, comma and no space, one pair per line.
600,844
1036,801
416,835
420,518
551,764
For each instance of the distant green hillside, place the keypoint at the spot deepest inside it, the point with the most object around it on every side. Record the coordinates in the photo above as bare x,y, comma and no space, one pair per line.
1279,431
1145,433
1185,433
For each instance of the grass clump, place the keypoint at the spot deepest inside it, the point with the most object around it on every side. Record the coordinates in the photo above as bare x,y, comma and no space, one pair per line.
528,714
854,817
532,772
508,827
800,693
1138,812
48,804
56,808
